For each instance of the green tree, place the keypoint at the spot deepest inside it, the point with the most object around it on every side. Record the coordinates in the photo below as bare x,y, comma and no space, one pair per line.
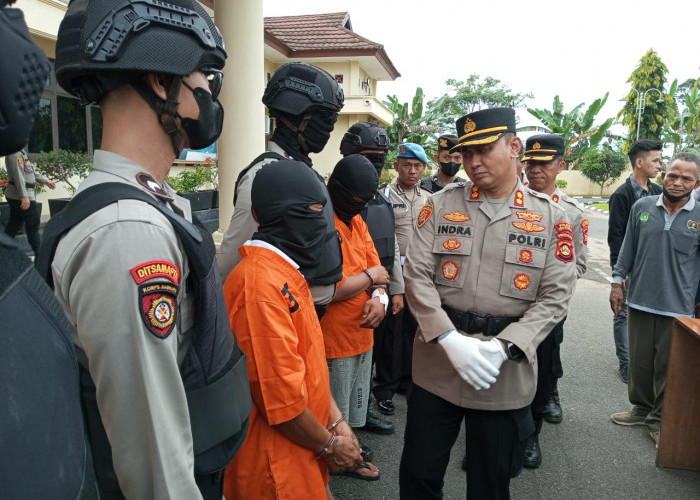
684,129
464,97
603,166
577,127
64,166
409,125
648,95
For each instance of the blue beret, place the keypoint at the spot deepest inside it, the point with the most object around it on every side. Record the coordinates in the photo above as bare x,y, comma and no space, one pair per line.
412,150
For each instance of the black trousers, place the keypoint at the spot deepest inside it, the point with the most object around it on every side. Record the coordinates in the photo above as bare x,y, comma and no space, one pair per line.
211,486
494,442
393,348
31,219
549,369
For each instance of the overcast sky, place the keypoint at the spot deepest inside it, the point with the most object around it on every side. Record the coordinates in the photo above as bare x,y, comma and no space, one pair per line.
578,50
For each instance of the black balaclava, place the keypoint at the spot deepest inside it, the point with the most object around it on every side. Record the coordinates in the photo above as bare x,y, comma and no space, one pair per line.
281,194
450,168
351,185
301,135
377,160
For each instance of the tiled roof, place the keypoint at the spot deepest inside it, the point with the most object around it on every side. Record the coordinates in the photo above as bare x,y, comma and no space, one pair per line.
318,32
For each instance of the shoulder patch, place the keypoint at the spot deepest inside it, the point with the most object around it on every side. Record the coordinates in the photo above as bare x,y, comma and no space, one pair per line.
20,161
425,213
584,228
158,306
156,269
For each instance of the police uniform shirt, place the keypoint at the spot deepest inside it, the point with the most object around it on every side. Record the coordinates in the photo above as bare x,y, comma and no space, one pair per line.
518,262
120,277
406,205
579,224
20,172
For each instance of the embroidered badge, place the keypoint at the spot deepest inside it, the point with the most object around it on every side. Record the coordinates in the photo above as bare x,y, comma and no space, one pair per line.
443,143
563,226
156,269
469,126
694,225
536,145
456,217
519,200
565,251
20,161
152,185
402,149
521,281
158,305
424,215
451,244
525,256
474,194
450,270
555,198
529,216
584,228
530,227
644,216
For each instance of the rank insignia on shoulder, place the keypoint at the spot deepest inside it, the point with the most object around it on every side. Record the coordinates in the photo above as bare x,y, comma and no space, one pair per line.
519,199
424,215
529,216
158,303
450,270
521,281
156,269
474,194
456,217
451,244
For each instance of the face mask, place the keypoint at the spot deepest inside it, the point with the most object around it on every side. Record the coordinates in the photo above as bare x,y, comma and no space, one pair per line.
450,168
351,185
675,199
318,130
206,129
19,99
377,159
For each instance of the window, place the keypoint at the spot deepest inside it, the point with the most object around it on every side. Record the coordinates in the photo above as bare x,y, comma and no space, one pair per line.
72,131
41,138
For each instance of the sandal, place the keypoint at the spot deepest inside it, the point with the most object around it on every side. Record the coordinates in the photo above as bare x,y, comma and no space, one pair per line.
353,473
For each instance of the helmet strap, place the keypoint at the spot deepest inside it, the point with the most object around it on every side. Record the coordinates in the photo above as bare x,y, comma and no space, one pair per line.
299,130
166,110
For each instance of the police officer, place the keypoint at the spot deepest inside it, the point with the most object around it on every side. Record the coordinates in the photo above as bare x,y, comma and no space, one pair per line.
136,278
449,163
21,181
481,249
407,197
305,102
371,141
544,160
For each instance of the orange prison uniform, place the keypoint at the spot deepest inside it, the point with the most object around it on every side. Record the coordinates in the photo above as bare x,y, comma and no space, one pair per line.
341,323
274,320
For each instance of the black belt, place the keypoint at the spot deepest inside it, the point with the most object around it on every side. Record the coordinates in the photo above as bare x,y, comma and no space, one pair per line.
26,184
472,322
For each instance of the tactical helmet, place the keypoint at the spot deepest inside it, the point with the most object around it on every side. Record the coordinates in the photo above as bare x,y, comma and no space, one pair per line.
104,43
364,135
296,88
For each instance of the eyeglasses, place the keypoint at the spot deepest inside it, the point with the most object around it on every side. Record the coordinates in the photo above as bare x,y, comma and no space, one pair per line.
215,78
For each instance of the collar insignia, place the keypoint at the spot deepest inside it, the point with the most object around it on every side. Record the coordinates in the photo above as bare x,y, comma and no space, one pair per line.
474,195
519,200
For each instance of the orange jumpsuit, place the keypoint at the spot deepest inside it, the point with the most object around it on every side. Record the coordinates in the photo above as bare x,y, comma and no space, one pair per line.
342,333
274,320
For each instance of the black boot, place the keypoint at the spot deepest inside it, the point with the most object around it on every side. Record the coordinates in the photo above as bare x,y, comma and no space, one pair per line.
532,456
552,408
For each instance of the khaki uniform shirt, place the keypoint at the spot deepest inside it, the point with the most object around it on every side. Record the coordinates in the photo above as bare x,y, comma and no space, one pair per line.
579,223
20,172
518,263
243,225
406,205
101,269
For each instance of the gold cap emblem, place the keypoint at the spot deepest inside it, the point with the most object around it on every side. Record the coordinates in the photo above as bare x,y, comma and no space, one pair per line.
536,145
443,143
469,126
402,148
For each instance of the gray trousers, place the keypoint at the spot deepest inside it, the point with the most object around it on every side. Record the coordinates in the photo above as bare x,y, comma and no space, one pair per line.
650,341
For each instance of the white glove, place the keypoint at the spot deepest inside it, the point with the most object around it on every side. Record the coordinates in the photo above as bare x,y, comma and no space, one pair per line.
494,352
464,354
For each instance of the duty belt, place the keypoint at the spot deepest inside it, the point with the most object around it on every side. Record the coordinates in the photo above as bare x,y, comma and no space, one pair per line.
472,322
28,185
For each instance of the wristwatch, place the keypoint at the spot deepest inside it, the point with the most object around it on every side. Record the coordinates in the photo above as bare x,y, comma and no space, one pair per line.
513,351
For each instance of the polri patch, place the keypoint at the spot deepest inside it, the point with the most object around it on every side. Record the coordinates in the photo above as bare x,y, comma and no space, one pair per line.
158,306
425,213
156,269
565,251
450,270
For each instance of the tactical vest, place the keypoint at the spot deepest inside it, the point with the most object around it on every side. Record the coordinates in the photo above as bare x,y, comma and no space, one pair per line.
329,270
214,370
379,217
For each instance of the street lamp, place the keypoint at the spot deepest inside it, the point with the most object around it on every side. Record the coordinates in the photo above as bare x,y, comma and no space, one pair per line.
641,103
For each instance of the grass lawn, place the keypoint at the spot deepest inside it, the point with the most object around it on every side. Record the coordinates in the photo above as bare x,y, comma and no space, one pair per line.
602,206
